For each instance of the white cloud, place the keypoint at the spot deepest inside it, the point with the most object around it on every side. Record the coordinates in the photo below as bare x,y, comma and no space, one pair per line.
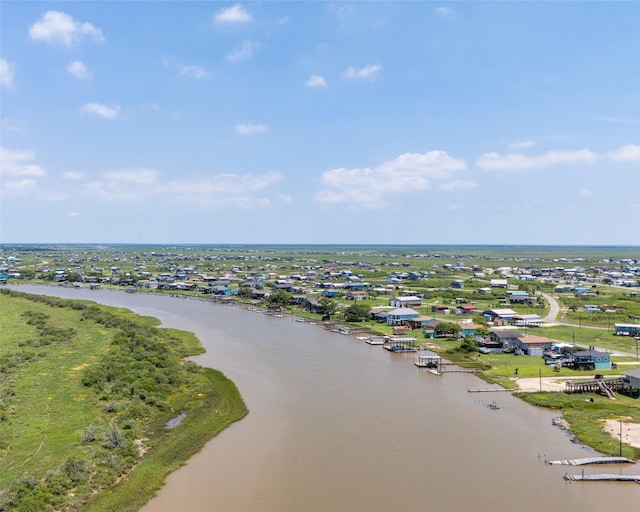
285,198
250,128
455,207
231,15
522,144
7,74
79,70
104,111
444,11
16,163
585,192
138,176
243,52
193,71
316,81
73,176
124,185
628,153
373,188
369,72
73,214
59,27
458,185
21,187
518,161
225,189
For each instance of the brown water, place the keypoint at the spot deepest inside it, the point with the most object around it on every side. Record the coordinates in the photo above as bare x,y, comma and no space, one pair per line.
339,425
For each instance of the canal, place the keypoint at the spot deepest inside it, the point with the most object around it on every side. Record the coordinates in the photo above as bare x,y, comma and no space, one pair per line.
339,425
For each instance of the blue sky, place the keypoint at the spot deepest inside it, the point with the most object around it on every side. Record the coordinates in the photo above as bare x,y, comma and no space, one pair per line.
320,122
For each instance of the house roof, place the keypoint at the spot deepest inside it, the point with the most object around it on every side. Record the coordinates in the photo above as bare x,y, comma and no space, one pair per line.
506,333
502,312
633,373
404,312
596,353
533,340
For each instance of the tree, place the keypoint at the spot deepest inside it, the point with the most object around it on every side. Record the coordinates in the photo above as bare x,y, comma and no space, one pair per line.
447,329
244,292
356,313
468,345
279,298
329,306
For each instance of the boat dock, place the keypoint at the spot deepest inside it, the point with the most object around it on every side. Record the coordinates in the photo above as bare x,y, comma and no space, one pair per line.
437,366
592,460
603,478
489,390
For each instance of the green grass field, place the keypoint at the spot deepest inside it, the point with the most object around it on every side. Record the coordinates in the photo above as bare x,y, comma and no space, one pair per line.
84,389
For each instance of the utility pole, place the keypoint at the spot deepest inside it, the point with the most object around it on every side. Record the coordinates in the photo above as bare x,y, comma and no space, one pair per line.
620,438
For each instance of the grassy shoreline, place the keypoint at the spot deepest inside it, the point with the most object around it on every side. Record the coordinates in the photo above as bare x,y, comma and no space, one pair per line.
86,393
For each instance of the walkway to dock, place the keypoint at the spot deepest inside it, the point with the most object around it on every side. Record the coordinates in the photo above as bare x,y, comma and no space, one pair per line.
592,460
603,478
605,386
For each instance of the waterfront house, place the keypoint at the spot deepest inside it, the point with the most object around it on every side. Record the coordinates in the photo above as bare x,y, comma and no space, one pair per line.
533,345
600,360
505,337
633,377
400,315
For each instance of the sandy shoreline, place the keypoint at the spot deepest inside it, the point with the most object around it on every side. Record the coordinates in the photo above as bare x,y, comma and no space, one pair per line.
630,431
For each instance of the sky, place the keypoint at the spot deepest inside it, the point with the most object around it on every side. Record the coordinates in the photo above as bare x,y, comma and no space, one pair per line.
320,122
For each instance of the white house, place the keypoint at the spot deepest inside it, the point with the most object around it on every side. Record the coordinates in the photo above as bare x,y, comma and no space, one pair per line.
405,302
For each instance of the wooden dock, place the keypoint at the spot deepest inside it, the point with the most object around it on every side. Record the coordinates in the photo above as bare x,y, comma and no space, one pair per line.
603,478
489,390
592,460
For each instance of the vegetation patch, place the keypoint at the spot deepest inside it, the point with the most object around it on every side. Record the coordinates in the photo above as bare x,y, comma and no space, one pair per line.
86,392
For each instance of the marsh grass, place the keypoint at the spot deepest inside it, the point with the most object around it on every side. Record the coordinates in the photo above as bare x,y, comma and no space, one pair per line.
98,386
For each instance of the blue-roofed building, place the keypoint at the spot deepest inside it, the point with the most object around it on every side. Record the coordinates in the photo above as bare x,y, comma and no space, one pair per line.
400,315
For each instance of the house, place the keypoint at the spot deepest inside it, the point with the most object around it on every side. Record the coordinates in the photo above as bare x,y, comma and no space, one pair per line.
440,308
457,283
429,328
466,309
533,345
520,297
405,302
379,314
503,314
505,337
600,360
356,295
400,315
498,283
633,377
469,329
